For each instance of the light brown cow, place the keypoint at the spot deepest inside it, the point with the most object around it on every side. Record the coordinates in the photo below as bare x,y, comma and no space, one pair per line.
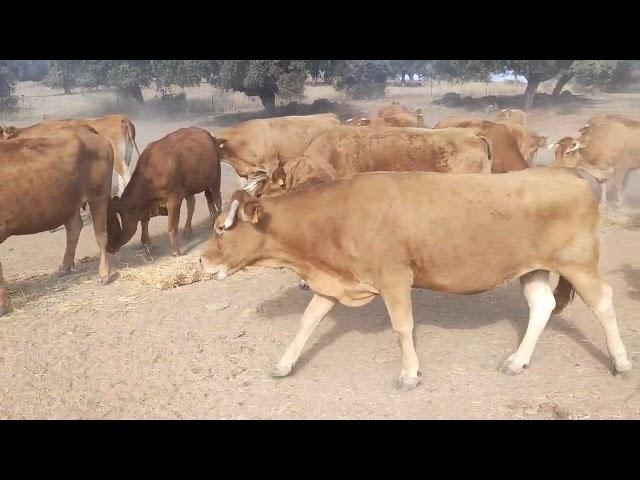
117,129
394,108
257,147
610,117
512,115
401,119
513,146
383,233
344,151
607,151
45,181
169,170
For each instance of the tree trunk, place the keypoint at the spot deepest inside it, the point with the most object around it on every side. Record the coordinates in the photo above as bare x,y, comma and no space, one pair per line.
268,99
562,81
530,92
403,81
135,92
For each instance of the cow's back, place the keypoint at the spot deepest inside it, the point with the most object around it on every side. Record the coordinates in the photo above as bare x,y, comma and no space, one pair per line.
365,149
46,179
506,152
183,161
447,224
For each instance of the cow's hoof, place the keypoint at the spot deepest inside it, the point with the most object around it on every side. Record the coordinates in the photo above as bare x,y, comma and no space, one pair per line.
511,367
623,369
187,233
407,384
176,253
281,371
63,272
303,285
4,310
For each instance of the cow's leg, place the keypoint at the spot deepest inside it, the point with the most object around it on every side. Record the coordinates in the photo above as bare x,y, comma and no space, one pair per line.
537,291
173,209
191,206
398,302
144,235
599,296
73,228
619,182
208,193
318,307
122,171
603,194
98,209
5,303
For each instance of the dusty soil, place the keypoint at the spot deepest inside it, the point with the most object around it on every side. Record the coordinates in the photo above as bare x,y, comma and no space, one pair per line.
74,349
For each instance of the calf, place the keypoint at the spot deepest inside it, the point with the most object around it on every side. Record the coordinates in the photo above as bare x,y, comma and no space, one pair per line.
383,233
46,180
171,169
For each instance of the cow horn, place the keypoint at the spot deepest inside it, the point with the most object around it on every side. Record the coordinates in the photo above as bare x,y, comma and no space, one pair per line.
349,120
576,146
231,216
253,183
551,146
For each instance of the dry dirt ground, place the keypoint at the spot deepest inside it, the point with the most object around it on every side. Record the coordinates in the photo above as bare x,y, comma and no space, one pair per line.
74,349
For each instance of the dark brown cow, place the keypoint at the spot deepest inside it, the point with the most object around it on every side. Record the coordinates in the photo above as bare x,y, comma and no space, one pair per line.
606,150
383,233
45,181
117,129
344,151
513,146
169,170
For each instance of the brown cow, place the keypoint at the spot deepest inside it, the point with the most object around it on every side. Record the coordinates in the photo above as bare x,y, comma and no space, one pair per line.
45,181
401,119
512,115
118,129
257,147
344,151
608,151
513,146
171,169
383,233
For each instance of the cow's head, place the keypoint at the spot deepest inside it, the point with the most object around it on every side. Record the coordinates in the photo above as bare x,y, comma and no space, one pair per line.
511,115
237,238
7,133
242,155
569,153
122,223
534,142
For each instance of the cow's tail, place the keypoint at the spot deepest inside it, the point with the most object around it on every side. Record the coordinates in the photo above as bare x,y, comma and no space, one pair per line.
130,141
563,295
488,150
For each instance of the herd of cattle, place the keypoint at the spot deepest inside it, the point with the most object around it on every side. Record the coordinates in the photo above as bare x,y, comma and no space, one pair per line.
374,207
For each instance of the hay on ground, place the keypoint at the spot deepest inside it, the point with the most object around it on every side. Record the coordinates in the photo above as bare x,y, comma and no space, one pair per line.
167,274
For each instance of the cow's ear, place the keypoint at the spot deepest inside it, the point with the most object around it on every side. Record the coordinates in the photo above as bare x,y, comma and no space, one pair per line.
279,177
253,211
221,143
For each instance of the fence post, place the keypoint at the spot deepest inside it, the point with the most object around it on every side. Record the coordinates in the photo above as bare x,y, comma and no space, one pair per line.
213,108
